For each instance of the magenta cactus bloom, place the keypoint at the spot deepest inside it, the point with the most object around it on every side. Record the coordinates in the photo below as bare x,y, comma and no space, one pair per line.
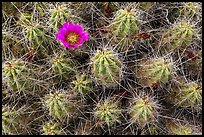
72,35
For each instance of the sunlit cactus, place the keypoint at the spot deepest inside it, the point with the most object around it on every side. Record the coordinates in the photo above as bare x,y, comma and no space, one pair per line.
151,130
178,128
186,94
145,5
60,104
144,110
63,66
52,128
106,67
83,84
189,9
25,19
40,7
178,37
154,71
123,26
9,121
59,15
108,112
14,72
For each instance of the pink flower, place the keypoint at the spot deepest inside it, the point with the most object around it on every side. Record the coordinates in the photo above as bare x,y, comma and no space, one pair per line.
71,35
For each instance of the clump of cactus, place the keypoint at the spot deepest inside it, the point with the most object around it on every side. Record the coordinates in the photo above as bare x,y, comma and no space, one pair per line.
9,121
156,71
59,15
189,9
108,112
144,110
63,66
176,127
124,26
106,67
60,105
52,128
178,37
83,84
186,94
14,74
76,67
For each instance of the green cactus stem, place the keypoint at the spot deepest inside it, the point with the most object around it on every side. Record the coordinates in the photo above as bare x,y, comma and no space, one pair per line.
106,67
154,71
108,112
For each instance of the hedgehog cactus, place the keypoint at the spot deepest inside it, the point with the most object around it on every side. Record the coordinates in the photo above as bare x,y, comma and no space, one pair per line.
83,84
59,105
52,128
59,15
145,5
154,71
35,34
124,25
177,128
14,72
8,121
25,19
179,36
63,66
106,67
144,110
186,94
108,112
189,9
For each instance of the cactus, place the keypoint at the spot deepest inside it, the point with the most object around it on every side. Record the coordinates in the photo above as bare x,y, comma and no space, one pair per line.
194,63
178,37
108,111
59,105
52,128
189,9
151,130
124,25
145,5
59,15
154,71
25,19
63,66
8,121
40,6
144,110
14,74
83,84
106,67
178,128
186,94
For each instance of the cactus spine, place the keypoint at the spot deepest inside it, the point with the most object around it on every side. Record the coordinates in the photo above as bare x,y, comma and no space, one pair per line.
178,37
178,128
154,71
106,67
124,25
144,110
59,15
9,121
83,84
186,94
63,66
14,72
108,112
52,128
60,105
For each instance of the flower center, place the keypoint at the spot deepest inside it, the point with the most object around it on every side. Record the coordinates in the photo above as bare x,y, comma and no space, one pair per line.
72,38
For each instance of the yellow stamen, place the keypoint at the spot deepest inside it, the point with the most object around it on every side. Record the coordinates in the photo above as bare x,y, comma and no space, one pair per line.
72,38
